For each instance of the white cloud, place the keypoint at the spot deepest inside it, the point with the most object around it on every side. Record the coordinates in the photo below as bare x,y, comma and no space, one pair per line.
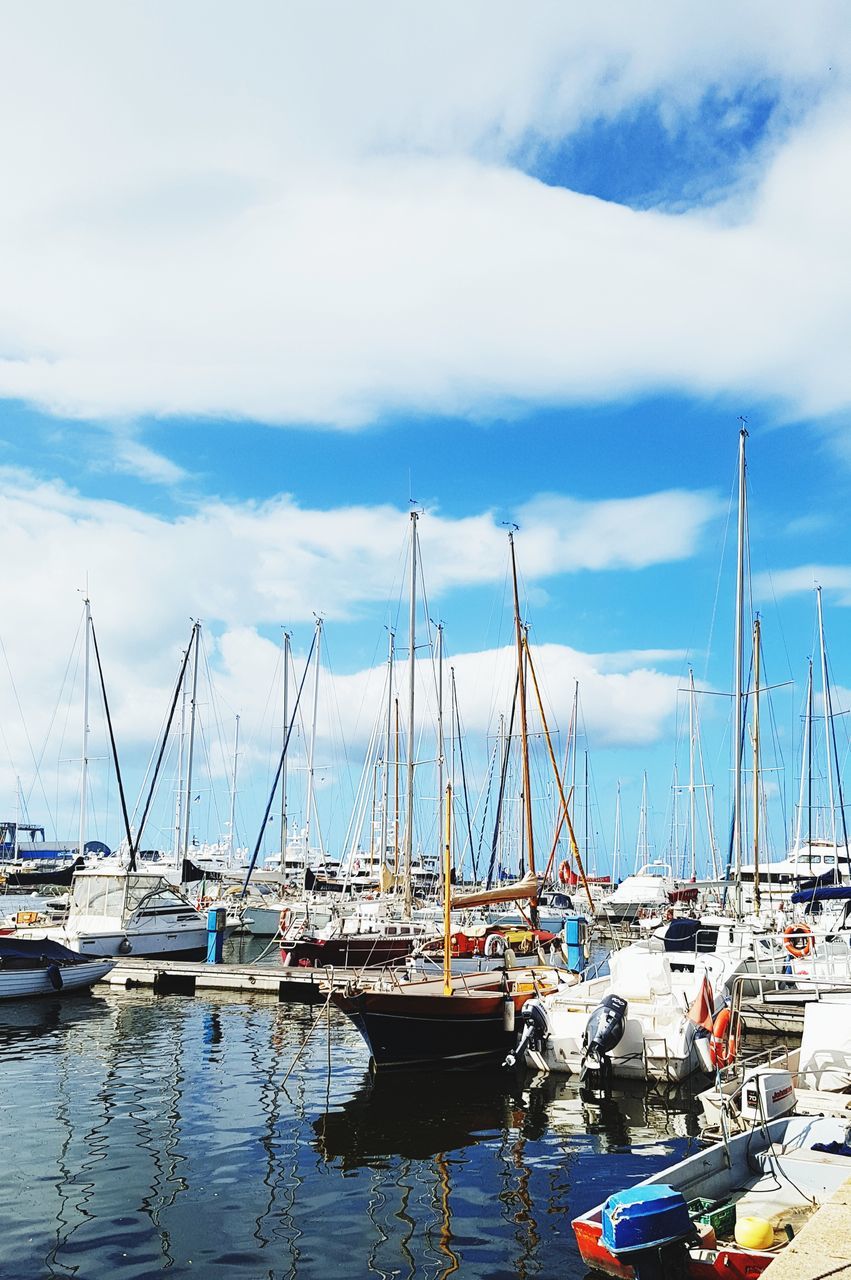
311,215
247,567
833,578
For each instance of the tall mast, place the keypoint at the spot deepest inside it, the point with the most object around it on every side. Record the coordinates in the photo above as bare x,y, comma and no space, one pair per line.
756,657
806,761
524,736
616,853
84,759
178,793
385,808
286,720
312,748
641,847
196,628
440,758
232,818
412,671
692,817
738,808
827,724
396,794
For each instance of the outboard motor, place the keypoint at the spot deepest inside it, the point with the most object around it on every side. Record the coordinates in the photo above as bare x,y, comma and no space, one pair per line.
649,1229
535,1028
603,1032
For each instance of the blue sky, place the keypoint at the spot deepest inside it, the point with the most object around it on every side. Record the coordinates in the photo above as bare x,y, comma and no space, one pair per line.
514,271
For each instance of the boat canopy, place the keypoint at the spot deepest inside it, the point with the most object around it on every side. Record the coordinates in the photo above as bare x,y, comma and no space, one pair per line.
35,950
823,893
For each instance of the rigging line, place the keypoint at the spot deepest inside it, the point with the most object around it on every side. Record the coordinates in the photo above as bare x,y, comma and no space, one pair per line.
730,508
37,761
177,688
132,863
463,771
487,794
262,831
502,778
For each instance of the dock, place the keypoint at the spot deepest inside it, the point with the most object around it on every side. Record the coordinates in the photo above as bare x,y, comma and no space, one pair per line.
822,1247
184,977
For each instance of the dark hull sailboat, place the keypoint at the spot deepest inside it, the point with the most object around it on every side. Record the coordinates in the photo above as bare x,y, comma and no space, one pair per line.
416,1024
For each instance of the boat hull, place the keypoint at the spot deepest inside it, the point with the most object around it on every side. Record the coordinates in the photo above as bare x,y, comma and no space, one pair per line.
412,1030
348,952
22,984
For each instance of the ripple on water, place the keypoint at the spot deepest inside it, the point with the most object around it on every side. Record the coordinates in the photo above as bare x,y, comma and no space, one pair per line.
160,1136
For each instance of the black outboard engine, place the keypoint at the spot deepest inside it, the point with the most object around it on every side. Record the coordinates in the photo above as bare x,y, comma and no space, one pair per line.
535,1029
603,1032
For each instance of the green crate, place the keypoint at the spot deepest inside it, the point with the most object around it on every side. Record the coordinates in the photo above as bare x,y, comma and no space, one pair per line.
720,1217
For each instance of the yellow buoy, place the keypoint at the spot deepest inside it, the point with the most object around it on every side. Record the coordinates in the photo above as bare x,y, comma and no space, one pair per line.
754,1233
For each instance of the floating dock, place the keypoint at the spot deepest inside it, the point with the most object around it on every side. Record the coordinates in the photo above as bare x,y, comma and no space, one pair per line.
822,1247
184,977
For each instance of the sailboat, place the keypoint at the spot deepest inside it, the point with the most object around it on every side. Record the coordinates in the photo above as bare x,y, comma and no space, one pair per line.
459,1019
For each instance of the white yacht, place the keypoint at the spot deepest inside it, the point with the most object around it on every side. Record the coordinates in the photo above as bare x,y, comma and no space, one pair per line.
120,912
649,890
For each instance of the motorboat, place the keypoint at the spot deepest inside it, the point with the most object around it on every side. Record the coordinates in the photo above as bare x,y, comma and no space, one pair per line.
660,1003
648,891
819,1070
45,968
728,1210
121,912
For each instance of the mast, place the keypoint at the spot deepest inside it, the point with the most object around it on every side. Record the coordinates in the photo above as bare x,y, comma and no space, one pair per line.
84,759
412,670
641,848
692,816
312,747
396,796
232,818
385,815
756,656
827,724
447,895
738,808
524,736
286,719
616,854
196,628
806,771
440,759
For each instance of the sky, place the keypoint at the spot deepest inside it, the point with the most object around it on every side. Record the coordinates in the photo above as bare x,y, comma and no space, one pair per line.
273,276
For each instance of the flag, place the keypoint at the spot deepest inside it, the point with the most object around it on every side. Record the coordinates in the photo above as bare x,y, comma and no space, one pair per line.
700,1009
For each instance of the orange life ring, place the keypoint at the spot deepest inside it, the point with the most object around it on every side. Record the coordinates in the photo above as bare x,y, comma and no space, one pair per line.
798,940
722,1043
284,921
564,873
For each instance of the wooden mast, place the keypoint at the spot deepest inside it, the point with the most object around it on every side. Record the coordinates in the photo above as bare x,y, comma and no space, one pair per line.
524,737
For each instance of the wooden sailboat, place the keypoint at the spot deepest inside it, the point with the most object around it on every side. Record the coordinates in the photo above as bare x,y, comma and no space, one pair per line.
459,1019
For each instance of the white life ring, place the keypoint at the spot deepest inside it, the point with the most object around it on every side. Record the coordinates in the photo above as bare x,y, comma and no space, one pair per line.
495,945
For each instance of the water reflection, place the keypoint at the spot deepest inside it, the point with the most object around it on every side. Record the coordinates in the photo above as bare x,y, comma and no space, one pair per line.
173,1135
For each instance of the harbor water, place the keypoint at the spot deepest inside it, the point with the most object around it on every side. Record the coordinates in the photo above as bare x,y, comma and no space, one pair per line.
190,1136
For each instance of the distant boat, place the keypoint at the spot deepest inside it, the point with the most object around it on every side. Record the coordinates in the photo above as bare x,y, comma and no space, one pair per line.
44,968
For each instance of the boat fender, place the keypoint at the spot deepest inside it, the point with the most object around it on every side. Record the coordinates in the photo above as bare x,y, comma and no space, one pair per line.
286,958
508,1014
125,946
54,977
495,945
798,940
564,873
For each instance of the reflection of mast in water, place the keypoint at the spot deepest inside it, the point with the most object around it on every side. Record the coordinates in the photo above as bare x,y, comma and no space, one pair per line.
453,1262
516,1200
280,1178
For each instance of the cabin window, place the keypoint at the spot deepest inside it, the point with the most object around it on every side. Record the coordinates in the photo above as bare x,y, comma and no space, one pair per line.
98,896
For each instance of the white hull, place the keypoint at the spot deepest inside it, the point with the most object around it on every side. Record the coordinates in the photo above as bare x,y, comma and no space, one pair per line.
16,984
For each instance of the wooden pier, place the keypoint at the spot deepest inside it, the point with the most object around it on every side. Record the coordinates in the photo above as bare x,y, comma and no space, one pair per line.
822,1247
